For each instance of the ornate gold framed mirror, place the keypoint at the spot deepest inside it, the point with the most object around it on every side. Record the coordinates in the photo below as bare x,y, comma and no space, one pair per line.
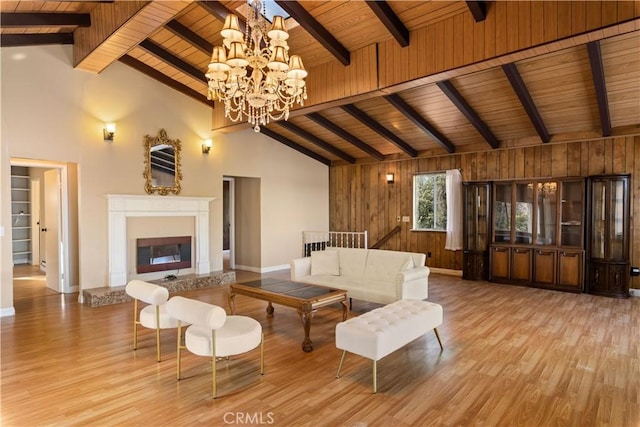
162,164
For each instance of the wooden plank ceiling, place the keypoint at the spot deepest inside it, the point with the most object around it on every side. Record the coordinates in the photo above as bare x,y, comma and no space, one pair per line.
584,90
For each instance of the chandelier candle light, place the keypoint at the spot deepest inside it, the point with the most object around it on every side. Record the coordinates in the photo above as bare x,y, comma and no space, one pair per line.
261,83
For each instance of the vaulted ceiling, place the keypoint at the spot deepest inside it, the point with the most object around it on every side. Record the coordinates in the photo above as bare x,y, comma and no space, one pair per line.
584,88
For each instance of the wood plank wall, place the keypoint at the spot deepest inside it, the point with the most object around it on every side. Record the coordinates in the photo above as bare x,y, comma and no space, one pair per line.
360,198
510,26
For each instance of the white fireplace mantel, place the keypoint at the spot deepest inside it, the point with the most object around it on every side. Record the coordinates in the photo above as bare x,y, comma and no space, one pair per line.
122,206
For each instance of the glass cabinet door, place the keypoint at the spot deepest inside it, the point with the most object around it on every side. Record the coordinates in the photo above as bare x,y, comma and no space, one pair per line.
598,219
502,213
547,212
572,211
470,217
616,222
482,196
524,213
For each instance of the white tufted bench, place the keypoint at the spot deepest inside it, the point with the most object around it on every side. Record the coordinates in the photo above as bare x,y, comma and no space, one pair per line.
384,330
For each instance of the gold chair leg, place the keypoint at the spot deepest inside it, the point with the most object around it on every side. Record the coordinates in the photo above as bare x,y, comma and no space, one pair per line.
262,355
438,336
135,324
213,363
158,333
178,352
375,385
344,353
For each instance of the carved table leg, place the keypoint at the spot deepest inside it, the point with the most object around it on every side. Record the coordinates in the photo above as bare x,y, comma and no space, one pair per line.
345,310
270,309
306,314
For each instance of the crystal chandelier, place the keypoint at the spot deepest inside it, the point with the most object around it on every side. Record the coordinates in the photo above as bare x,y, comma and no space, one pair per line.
252,73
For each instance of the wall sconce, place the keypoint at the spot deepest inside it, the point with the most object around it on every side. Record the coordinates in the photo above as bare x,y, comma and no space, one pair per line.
109,131
206,146
390,178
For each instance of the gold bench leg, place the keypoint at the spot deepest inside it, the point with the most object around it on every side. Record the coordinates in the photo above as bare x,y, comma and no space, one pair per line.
438,336
375,385
344,353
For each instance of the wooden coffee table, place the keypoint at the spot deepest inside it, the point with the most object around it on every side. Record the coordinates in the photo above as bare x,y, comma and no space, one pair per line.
305,298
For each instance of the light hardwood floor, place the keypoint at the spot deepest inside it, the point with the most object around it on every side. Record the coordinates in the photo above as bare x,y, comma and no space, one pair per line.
513,356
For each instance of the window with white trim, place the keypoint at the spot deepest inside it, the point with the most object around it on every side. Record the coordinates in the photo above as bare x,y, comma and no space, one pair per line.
430,201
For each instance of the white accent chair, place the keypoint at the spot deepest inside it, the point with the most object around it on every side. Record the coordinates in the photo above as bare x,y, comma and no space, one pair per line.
154,315
214,334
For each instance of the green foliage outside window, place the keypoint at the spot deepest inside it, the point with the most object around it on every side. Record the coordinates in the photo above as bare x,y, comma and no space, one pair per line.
430,202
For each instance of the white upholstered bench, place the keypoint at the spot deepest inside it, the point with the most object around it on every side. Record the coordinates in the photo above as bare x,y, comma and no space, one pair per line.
382,331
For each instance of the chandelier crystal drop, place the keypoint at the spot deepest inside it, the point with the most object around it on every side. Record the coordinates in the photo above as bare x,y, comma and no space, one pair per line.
253,73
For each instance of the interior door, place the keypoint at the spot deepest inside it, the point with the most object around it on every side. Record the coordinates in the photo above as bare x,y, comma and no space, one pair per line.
51,228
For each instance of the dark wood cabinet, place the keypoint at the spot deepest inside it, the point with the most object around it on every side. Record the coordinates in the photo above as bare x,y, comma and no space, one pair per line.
477,227
608,233
538,233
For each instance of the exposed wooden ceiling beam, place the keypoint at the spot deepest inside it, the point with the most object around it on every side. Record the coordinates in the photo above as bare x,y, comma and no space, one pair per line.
597,72
367,120
315,140
411,114
511,71
289,143
220,11
12,40
182,31
322,121
390,20
9,20
123,25
458,100
170,58
313,27
164,79
478,9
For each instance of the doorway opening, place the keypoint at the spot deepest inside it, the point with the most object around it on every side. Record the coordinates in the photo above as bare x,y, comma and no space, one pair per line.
41,238
228,224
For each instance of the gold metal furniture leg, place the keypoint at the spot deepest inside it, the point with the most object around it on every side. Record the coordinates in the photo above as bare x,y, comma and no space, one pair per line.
438,336
178,352
262,355
375,385
213,363
344,353
158,332
135,324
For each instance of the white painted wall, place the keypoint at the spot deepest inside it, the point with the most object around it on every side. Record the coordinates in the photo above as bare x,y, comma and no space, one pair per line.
52,112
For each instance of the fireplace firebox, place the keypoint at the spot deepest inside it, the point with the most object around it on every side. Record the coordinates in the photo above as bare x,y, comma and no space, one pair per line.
163,253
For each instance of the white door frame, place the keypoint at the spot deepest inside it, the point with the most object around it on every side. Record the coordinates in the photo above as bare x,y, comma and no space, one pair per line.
232,222
64,287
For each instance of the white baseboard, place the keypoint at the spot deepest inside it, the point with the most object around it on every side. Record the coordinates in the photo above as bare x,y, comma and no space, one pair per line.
275,268
7,312
634,292
446,271
263,269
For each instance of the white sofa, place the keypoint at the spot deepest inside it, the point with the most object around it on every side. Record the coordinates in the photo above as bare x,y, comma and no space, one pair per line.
366,274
